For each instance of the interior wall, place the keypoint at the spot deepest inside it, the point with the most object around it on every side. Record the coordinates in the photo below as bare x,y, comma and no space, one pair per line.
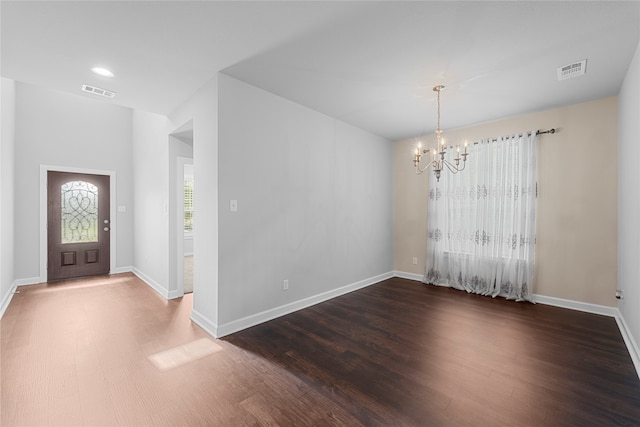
7,148
150,187
202,108
314,200
576,251
629,199
61,129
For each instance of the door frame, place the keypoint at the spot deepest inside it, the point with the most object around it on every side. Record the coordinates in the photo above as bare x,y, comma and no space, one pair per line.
43,213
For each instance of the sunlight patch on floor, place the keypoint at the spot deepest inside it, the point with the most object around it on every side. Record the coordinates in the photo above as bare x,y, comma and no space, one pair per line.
183,354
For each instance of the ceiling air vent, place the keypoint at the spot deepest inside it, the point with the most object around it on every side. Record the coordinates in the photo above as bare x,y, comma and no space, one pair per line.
572,70
98,91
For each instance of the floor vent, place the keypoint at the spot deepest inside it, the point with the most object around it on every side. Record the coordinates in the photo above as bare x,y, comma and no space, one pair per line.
98,91
572,70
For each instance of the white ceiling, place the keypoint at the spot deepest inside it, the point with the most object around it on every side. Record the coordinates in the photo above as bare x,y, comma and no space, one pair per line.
370,64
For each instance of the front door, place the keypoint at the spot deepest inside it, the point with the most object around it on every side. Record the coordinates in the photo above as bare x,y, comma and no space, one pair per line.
78,225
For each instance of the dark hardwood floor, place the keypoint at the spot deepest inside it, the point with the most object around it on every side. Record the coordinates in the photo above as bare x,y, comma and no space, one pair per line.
85,352
403,353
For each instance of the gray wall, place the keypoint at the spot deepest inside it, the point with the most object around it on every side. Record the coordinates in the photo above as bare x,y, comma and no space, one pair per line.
629,199
61,129
150,189
7,147
202,108
314,202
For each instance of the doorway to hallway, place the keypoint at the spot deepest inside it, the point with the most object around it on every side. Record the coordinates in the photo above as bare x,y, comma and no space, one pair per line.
181,214
185,168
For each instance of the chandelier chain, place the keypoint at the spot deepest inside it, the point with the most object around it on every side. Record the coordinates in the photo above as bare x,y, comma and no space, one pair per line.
439,108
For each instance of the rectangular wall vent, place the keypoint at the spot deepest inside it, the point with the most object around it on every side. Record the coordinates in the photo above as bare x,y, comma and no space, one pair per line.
98,91
572,70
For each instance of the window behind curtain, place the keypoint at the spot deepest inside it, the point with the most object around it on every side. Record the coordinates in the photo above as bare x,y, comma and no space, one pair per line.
481,221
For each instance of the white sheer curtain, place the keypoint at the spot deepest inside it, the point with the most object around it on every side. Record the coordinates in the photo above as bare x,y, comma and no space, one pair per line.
481,221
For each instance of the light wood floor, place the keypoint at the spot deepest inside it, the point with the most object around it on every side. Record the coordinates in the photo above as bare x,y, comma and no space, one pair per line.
76,353
396,353
188,274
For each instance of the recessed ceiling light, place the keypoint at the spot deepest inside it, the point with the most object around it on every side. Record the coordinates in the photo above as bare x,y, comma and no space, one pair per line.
102,72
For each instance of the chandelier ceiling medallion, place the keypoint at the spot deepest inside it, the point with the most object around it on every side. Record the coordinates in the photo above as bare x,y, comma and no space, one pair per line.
437,155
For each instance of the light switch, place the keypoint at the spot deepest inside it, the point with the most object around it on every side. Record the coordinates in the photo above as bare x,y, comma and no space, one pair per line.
122,208
233,205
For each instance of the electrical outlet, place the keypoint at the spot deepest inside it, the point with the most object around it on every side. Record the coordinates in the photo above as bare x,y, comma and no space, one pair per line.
415,261
285,285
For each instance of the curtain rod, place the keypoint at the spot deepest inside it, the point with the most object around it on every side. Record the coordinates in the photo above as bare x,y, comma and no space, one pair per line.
538,132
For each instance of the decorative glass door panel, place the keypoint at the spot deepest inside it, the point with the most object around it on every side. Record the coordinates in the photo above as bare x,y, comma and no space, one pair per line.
78,225
79,212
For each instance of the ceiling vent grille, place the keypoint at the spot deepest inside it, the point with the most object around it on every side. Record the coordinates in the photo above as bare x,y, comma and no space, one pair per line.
98,91
572,70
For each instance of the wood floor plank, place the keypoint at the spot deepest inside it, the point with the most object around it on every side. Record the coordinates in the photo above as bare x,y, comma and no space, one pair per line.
398,353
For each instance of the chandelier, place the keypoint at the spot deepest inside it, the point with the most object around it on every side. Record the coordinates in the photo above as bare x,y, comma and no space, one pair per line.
437,156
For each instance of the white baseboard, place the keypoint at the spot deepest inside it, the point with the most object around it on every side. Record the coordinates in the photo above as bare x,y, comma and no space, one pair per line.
161,290
265,316
208,326
6,299
603,310
118,270
631,344
174,294
188,254
28,281
152,283
410,276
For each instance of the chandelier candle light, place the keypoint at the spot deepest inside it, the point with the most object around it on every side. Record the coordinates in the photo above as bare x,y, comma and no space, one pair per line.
438,156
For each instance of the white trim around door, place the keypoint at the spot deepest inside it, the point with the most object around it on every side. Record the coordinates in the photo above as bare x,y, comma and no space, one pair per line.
43,213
